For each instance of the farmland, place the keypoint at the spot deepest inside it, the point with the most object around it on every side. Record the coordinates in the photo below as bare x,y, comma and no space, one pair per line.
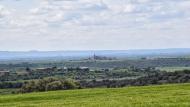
96,83
173,69
173,95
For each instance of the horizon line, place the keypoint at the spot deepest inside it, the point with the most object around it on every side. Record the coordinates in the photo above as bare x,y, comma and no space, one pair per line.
91,50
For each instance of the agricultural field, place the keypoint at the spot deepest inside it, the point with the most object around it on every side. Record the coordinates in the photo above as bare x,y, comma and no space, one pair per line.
173,95
172,69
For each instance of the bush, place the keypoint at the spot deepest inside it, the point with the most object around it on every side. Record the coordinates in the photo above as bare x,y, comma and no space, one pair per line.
48,84
69,84
55,85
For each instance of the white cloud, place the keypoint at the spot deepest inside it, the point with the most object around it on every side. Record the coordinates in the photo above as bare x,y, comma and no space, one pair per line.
129,8
90,23
3,11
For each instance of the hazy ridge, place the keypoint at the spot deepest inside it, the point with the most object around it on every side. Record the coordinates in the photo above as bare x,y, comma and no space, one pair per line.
6,55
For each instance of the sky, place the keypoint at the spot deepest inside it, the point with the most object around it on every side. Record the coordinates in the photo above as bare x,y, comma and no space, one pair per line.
49,25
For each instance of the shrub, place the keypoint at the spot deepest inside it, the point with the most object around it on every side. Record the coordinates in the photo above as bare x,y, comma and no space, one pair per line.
55,85
48,84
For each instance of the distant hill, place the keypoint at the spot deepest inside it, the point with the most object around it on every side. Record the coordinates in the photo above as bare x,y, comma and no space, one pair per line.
9,55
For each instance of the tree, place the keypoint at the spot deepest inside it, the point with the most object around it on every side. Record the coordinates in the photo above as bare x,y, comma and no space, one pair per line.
28,69
69,84
56,85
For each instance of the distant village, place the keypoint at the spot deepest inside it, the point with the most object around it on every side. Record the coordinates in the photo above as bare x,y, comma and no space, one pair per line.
96,57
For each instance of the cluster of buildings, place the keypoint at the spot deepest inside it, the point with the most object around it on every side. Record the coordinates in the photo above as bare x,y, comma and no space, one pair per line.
96,57
4,73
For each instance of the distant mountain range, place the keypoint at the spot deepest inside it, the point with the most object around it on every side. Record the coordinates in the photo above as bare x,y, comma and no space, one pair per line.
10,55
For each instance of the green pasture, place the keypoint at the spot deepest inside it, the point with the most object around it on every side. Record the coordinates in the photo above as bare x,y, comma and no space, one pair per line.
174,95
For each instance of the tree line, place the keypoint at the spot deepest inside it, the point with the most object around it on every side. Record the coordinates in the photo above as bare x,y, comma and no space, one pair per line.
154,78
52,83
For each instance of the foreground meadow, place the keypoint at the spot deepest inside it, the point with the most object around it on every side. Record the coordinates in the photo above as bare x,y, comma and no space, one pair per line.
175,95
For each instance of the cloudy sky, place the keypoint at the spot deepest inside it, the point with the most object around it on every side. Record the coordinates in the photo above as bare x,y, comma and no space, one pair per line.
94,24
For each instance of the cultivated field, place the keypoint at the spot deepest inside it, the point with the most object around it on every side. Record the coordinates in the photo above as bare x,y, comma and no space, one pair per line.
176,95
173,69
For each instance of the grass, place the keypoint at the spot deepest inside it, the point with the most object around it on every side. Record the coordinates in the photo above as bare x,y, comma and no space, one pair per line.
7,91
172,69
175,95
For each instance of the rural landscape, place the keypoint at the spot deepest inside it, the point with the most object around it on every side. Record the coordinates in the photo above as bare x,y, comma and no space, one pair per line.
94,53
117,79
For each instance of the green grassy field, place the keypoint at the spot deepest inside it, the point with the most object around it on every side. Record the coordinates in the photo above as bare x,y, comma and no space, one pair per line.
175,95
